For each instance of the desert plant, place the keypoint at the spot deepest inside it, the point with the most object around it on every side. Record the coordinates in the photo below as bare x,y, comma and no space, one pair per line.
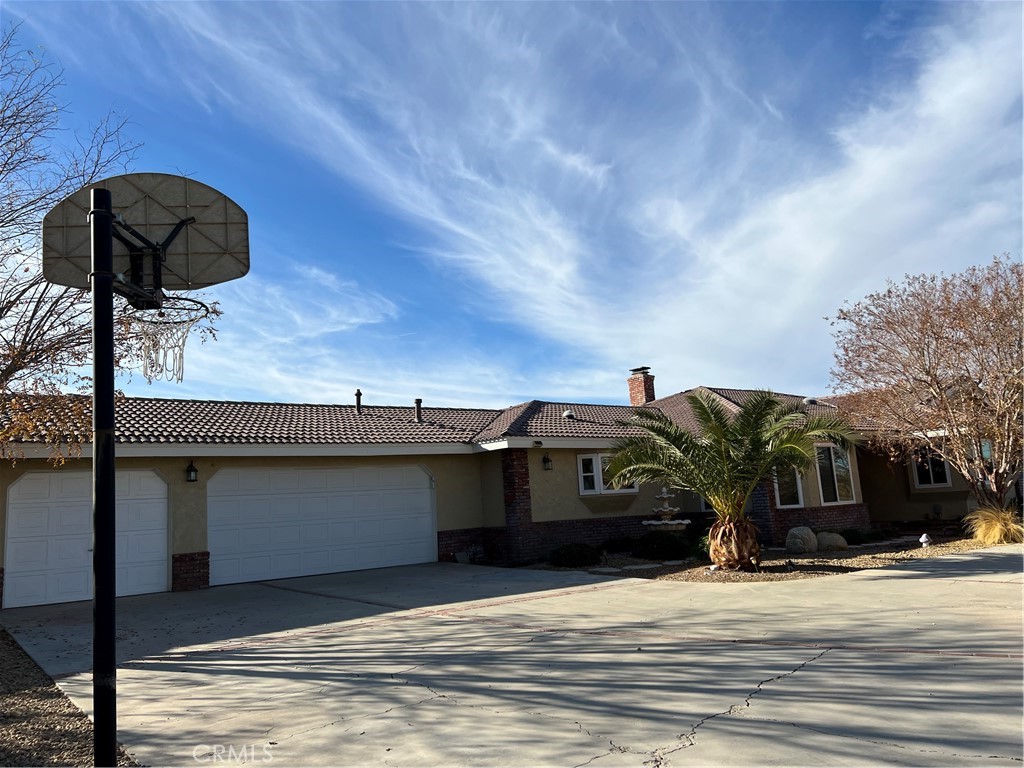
574,556
724,459
991,526
618,544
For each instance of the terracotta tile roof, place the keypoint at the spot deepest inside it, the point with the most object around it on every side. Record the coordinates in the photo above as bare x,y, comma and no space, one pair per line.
813,406
847,406
542,419
211,422
153,420
677,407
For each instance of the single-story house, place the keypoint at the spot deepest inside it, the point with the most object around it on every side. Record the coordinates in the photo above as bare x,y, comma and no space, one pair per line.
215,492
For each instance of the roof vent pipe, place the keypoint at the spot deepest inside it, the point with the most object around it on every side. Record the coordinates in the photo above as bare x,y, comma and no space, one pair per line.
359,401
419,410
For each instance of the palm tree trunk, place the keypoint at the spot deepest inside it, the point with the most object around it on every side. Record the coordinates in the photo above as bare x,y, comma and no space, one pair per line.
732,545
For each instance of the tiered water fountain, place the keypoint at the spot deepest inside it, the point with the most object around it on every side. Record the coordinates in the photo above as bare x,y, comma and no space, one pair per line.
666,515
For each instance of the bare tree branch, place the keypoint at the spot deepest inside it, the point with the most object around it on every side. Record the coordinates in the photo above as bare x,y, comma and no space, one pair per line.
45,329
938,362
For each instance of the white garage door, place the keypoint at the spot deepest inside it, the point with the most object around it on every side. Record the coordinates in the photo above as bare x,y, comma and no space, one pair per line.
279,523
48,555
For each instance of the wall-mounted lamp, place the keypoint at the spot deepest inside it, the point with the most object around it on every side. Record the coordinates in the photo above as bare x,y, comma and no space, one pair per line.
547,462
191,473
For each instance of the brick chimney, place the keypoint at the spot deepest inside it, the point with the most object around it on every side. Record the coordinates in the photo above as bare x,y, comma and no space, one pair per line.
641,386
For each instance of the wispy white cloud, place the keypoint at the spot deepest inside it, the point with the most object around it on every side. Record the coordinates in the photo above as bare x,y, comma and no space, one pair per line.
613,181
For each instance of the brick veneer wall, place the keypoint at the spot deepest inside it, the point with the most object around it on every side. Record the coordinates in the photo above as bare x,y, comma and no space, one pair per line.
515,480
544,537
535,541
836,518
190,570
522,540
774,523
762,505
462,540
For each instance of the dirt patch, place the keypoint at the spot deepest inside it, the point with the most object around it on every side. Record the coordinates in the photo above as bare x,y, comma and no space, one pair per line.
38,724
777,565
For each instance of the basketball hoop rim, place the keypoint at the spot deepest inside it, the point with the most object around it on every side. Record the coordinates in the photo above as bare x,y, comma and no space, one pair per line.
192,311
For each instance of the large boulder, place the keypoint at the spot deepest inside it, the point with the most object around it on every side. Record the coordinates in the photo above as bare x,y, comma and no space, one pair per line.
800,541
831,542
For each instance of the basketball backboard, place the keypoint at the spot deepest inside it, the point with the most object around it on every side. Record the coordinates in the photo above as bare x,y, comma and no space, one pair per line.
204,235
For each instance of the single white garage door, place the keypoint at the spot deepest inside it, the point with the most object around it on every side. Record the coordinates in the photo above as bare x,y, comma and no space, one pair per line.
48,556
279,523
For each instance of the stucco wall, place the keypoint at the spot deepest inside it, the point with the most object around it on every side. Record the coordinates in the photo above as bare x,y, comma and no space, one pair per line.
556,492
457,479
491,492
891,495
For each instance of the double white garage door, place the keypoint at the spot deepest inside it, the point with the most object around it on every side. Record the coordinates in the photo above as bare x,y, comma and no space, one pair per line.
279,523
262,524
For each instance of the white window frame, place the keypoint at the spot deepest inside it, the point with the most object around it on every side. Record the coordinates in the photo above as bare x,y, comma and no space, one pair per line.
929,486
817,471
799,490
600,487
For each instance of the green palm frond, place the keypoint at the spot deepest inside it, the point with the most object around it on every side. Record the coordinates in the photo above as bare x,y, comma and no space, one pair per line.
728,455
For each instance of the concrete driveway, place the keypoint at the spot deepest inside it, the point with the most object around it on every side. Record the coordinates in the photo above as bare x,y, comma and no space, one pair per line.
462,665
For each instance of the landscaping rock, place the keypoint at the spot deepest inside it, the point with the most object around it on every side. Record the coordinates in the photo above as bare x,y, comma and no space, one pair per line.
801,541
831,542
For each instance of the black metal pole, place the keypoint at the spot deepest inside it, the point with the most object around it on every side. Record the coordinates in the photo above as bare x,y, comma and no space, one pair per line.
104,660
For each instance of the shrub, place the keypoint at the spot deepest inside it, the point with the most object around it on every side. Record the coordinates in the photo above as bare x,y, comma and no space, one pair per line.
619,544
993,526
859,536
574,556
660,545
854,536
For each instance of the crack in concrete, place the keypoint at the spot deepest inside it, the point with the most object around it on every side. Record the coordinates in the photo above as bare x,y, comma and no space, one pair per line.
395,708
615,749
690,739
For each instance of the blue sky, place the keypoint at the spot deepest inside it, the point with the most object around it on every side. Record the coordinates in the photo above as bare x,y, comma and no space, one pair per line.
483,203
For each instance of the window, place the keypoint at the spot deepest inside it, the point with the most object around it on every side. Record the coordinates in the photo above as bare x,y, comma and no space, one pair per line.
930,469
835,479
787,489
591,470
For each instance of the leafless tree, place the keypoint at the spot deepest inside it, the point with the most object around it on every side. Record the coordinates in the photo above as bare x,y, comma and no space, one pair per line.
45,329
935,363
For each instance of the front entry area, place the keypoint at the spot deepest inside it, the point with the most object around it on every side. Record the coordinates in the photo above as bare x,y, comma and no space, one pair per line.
274,523
48,548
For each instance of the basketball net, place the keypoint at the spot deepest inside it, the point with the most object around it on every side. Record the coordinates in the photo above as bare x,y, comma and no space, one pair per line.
162,334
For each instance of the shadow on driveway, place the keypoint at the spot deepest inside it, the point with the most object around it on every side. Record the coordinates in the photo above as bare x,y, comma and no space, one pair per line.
59,637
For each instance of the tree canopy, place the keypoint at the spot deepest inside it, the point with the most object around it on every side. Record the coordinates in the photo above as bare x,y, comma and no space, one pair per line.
935,365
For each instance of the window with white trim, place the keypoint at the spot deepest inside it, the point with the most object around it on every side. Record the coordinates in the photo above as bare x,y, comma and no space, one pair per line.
788,492
835,477
592,468
930,469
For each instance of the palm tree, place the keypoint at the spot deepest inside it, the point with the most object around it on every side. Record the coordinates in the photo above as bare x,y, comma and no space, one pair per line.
724,460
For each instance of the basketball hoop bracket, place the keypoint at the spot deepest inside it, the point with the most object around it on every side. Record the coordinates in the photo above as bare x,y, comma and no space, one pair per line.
144,288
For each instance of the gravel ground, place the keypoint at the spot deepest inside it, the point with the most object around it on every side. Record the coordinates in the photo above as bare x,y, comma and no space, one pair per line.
38,724
777,565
